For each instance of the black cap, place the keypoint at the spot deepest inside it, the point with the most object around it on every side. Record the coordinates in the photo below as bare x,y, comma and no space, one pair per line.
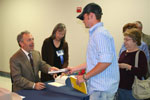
91,7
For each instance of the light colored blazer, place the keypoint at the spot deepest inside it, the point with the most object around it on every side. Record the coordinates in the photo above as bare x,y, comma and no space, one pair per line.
21,70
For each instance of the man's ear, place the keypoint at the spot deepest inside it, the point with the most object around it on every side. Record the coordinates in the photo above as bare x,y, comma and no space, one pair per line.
21,43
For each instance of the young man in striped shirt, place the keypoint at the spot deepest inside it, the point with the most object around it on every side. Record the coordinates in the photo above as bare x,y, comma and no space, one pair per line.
102,71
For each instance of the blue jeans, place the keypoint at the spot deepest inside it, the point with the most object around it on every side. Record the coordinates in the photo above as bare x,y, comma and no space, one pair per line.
125,95
99,95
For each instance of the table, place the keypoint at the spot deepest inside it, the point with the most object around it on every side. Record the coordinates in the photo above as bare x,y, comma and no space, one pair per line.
53,93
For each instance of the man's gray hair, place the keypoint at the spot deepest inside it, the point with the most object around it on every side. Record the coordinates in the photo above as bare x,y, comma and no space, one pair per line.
20,36
139,24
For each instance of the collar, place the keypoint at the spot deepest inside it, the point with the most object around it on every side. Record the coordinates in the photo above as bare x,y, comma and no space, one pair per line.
26,53
92,29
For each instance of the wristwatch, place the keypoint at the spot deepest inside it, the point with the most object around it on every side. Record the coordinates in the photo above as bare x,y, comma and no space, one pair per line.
85,77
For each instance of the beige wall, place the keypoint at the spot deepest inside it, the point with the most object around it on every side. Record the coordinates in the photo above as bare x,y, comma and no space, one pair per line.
40,17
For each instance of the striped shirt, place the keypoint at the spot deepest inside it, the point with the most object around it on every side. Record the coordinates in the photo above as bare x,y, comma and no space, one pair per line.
101,49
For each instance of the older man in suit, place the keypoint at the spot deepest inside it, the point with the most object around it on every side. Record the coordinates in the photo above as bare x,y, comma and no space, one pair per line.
23,68
145,38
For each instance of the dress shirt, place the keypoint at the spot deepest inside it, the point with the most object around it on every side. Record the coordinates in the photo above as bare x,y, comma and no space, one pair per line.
26,53
101,49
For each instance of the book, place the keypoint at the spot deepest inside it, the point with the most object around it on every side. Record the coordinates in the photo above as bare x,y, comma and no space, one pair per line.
82,88
59,81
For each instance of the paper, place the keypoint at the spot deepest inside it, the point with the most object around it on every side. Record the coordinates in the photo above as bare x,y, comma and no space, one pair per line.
59,71
61,80
22,97
82,88
56,84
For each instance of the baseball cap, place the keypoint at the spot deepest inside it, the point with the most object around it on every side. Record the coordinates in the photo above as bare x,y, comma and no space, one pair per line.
91,7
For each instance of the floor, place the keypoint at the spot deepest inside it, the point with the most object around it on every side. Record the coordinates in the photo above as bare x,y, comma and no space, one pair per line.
5,82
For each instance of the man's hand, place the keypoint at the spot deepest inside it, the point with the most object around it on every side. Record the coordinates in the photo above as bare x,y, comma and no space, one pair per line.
39,86
54,69
71,70
80,79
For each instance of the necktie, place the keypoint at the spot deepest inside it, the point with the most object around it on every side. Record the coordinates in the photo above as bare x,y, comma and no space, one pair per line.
31,61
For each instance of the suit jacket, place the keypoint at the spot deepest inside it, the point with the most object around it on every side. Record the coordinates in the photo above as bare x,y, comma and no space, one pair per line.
21,71
48,56
146,39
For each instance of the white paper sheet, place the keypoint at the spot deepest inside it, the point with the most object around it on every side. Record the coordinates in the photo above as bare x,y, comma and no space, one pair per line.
56,84
59,71
59,81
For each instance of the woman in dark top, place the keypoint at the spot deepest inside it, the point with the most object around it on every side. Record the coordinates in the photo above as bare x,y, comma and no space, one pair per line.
55,50
132,39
